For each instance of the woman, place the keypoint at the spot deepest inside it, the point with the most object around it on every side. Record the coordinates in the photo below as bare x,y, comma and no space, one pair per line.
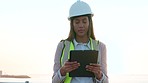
81,37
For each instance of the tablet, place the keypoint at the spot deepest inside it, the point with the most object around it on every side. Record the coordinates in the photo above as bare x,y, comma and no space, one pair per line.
84,57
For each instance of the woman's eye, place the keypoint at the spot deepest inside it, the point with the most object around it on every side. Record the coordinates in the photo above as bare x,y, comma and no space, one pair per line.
77,22
84,21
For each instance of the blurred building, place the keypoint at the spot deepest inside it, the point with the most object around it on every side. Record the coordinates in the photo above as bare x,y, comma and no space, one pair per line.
0,72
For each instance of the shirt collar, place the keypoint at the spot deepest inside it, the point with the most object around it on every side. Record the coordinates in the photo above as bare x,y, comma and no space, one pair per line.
77,43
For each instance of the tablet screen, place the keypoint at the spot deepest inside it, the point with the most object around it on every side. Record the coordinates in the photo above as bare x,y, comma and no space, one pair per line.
84,57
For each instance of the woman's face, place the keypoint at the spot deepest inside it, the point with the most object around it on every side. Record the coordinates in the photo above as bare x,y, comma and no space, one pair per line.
81,25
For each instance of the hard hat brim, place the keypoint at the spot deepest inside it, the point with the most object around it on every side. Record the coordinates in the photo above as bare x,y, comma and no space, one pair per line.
69,18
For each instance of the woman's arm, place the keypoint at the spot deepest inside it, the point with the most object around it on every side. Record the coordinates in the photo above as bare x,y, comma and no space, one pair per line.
103,63
56,78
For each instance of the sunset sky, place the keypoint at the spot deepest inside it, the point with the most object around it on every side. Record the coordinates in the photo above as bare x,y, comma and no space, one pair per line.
31,29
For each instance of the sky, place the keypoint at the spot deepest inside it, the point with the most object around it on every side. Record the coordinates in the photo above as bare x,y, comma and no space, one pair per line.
30,31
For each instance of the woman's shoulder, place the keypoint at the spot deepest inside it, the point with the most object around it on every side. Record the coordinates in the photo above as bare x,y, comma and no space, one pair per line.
62,42
101,44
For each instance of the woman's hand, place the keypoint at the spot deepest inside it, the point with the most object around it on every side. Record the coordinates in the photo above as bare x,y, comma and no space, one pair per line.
96,69
68,67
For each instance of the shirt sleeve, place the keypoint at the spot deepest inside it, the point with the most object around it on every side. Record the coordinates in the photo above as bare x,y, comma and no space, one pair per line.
60,76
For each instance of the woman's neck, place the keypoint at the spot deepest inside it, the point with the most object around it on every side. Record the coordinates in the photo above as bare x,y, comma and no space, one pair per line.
82,39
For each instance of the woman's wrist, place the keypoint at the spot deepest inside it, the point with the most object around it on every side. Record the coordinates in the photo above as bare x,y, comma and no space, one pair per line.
99,75
63,73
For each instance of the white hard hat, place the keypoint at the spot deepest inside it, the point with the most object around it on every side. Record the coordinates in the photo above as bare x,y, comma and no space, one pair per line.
79,8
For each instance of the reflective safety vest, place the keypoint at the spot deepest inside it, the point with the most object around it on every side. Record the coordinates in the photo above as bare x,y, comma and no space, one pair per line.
68,46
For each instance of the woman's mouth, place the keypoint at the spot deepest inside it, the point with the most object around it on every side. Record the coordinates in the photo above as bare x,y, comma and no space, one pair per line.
80,31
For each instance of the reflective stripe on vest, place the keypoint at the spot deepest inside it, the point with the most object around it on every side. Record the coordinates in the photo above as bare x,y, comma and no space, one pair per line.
68,46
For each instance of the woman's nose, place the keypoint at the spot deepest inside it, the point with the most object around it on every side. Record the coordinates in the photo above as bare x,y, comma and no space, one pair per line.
81,25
